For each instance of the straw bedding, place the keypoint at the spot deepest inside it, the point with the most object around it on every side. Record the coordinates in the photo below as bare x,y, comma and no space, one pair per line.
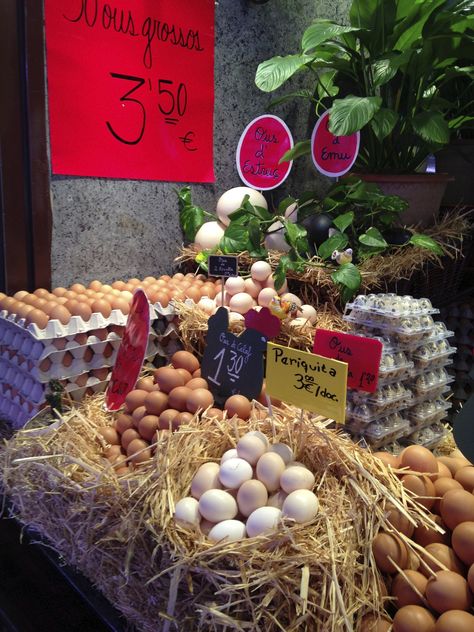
120,532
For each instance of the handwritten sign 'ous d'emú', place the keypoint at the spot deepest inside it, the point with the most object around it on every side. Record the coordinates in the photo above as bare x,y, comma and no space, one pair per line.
332,155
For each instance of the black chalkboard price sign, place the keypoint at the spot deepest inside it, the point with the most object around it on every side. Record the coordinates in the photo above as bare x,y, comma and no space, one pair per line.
223,266
232,364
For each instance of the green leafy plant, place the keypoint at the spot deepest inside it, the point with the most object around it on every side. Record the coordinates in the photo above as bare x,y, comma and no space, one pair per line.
390,69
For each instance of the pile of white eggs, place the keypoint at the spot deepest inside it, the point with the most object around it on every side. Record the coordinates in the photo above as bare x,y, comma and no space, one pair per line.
254,487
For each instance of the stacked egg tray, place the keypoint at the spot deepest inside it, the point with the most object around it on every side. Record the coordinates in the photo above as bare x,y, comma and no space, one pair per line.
410,402
80,355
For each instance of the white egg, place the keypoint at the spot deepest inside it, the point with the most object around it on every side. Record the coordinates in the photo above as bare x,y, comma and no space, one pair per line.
209,235
234,472
229,454
260,271
207,477
234,285
275,239
187,511
263,520
235,317
216,505
250,448
228,530
260,435
232,199
270,467
309,313
270,282
241,303
277,499
292,298
207,305
218,299
252,287
251,495
283,450
266,296
291,213
294,478
300,323
301,505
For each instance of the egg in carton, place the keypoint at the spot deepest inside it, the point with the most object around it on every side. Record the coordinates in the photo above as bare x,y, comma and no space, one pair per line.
386,430
428,437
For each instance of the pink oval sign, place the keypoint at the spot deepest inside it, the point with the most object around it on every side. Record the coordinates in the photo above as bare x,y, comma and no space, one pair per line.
333,155
262,144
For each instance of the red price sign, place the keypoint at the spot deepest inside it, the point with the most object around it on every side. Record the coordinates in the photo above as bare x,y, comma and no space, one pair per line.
361,354
131,88
333,155
131,353
262,144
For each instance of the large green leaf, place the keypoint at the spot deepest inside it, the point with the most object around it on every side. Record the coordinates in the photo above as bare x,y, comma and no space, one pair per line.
373,238
383,123
273,73
300,149
296,236
431,127
326,86
412,17
347,275
352,113
343,221
336,242
386,67
423,241
321,31
191,217
235,239
377,18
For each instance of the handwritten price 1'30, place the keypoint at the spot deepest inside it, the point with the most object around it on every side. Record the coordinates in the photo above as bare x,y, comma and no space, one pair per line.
172,103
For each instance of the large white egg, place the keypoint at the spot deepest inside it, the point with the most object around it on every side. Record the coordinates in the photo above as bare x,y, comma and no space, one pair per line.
187,511
270,467
234,472
235,317
209,235
216,505
309,313
301,505
294,478
234,285
291,213
260,271
252,287
207,477
251,495
277,499
228,530
266,296
263,520
292,298
275,239
283,450
241,303
232,199
229,454
207,305
250,448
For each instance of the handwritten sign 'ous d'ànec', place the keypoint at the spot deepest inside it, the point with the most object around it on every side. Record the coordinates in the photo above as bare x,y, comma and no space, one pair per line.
333,155
261,146
131,88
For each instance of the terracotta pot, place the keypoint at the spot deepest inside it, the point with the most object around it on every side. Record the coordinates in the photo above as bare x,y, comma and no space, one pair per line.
422,191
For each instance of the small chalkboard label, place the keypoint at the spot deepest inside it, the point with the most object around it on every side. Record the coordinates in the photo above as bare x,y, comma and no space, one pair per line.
223,265
232,364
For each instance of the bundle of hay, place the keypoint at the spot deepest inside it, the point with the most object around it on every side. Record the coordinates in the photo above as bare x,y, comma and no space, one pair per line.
120,532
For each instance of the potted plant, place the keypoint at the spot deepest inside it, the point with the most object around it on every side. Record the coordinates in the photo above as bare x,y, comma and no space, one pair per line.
387,69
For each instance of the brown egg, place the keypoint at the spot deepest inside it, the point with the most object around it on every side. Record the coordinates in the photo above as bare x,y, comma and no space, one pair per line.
199,399
452,464
146,384
41,292
168,418
69,294
216,413
455,621
123,422
470,577
81,380
424,536
134,399
419,459
457,506
388,458
147,427
100,374
128,436
18,296
372,623
80,309
156,402
386,545
122,471
182,418
443,485
162,298
168,378
24,310
101,306
193,293
45,365
413,619
110,435
403,591
422,486
178,397
120,303
118,285
138,451
112,452
446,557
67,359
197,373
400,522
185,360
197,382
465,476
138,414
60,313
462,540
186,375
78,287
238,405
443,470
448,591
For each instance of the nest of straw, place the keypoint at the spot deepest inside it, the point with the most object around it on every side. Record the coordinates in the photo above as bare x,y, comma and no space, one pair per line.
193,323
119,531
315,286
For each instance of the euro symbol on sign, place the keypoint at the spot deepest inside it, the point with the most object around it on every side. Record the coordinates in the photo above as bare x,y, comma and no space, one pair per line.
187,139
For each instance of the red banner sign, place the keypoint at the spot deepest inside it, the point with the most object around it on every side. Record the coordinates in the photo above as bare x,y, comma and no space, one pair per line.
131,88
131,353
262,144
361,354
333,155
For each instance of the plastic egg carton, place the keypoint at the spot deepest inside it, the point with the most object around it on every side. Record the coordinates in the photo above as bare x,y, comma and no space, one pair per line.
384,397
391,306
428,437
430,382
394,366
427,412
433,354
364,414
381,432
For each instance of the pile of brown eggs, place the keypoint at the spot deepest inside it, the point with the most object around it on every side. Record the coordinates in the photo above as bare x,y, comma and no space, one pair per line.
163,402
433,590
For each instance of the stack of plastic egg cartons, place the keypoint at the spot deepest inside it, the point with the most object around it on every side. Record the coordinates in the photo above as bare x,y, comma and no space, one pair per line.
410,401
80,355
